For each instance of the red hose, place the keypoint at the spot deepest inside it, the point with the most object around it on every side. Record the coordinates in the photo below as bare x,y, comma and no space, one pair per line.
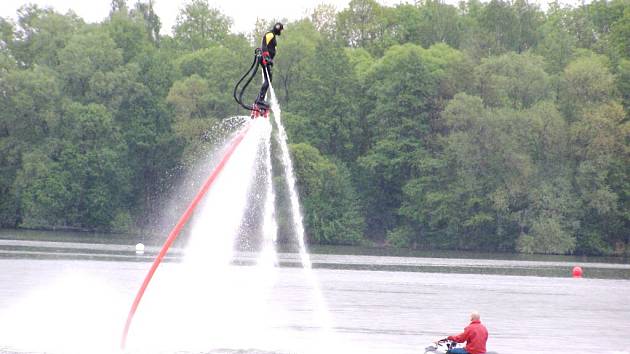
175,232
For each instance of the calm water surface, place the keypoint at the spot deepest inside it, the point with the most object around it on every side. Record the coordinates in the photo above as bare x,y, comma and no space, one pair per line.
81,292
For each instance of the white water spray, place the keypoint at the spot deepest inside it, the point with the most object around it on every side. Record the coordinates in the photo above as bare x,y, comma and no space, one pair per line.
298,224
73,312
270,226
329,341
206,301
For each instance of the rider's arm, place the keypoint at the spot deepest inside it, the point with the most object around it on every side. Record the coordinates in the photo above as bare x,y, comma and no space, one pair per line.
460,338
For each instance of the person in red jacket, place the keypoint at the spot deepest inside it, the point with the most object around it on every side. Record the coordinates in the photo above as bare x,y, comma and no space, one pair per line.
475,335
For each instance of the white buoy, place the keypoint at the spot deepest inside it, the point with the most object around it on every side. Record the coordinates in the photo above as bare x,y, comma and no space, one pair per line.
140,248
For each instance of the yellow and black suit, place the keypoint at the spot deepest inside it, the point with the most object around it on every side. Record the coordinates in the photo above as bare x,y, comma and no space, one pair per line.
268,49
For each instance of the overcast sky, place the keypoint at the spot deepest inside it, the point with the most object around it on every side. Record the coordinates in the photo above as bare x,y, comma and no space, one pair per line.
242,12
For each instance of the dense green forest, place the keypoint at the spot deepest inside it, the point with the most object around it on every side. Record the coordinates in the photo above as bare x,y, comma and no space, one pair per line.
486,126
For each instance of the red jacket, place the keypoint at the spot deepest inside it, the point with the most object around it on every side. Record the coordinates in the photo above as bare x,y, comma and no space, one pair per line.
475,335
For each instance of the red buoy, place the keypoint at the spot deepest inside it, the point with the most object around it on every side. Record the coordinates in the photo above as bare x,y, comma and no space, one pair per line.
577,272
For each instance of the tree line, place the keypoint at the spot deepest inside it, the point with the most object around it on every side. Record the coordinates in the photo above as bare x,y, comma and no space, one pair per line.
490,126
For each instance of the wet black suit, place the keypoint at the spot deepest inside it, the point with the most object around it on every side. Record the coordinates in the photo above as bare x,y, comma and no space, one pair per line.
268,47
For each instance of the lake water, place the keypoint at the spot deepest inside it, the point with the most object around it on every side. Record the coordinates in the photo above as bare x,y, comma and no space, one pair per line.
73,297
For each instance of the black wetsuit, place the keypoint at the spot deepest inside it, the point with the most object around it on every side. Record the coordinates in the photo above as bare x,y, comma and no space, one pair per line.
268,45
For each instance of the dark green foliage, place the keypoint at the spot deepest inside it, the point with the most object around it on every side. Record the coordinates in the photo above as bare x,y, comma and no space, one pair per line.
80,180
433,22
513,80
620,32
506,26
41,34
401,90
331,210
362,25
199,26
324,95
623,82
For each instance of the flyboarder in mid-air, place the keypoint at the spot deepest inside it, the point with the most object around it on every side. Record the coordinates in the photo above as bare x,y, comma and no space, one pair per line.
268,48
264,57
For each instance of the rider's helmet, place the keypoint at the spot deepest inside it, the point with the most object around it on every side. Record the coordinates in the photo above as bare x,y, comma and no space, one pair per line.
277,28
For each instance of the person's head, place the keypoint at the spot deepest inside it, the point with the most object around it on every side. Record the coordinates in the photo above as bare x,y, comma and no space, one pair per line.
277,28
474,316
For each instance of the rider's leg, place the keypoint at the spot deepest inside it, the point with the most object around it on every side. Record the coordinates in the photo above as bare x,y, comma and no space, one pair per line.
263,89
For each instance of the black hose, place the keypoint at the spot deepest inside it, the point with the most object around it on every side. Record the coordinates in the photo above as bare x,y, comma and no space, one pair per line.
252,69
